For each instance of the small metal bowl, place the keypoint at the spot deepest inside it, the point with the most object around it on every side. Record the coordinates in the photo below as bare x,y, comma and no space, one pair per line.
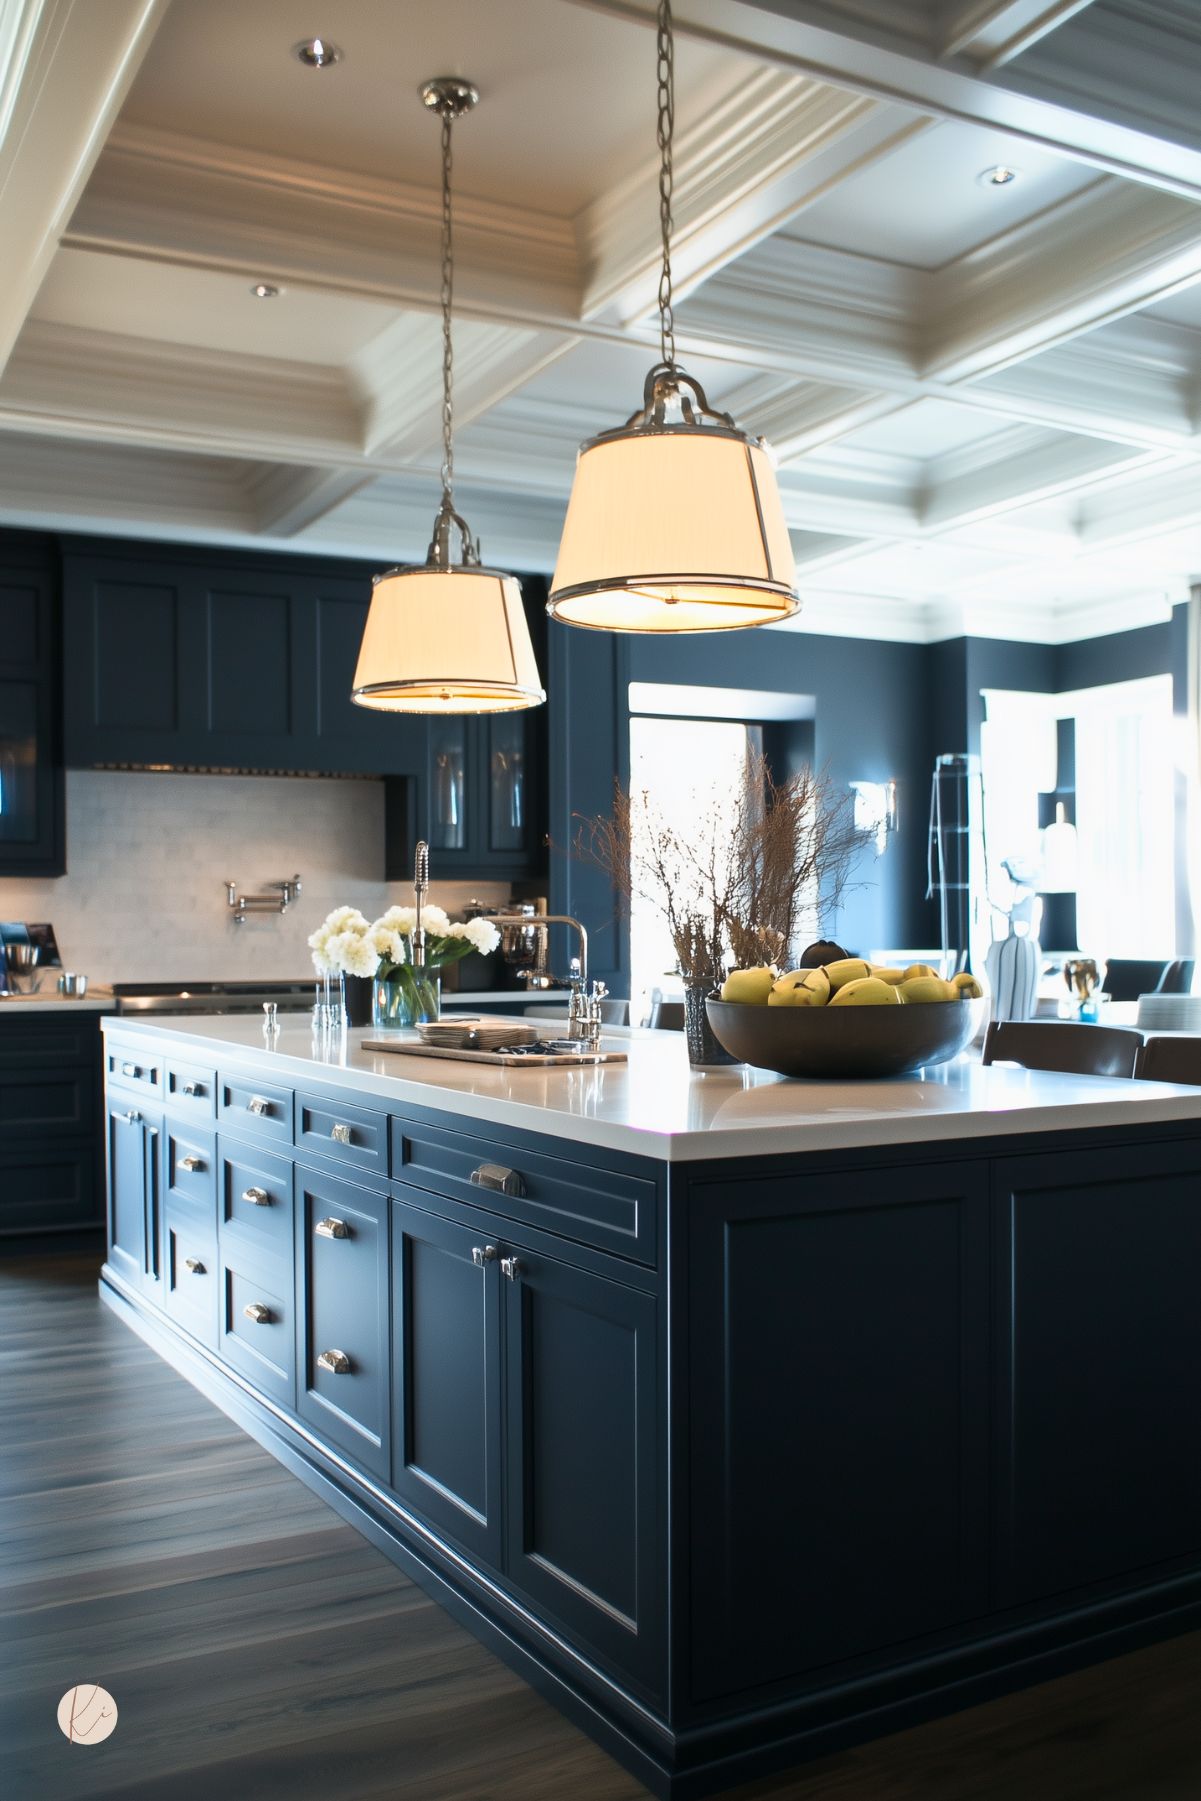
22,956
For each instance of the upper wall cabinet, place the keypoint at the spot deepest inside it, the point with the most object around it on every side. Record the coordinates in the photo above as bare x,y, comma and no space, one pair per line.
220,660
32,837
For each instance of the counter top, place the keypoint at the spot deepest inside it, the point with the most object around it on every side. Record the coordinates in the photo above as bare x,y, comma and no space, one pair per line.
654,1105
96,1000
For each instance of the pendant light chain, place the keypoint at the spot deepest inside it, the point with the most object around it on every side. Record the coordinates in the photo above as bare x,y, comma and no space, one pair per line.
667,121
448,289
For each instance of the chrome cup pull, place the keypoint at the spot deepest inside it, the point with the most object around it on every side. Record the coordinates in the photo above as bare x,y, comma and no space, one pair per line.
130,1069
497,1177
482,1254
340,1134
132,1117
191,1090
195,1265
331,1228
510,1267
336,1362
191,1164
256,1197
258,1313
258,1106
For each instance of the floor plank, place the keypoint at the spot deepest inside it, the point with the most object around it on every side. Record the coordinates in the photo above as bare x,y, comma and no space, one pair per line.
258,1646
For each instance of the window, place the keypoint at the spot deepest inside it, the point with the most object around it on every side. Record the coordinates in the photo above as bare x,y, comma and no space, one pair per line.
1125,826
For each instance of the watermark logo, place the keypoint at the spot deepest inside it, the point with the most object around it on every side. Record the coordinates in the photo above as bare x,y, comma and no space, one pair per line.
87,1714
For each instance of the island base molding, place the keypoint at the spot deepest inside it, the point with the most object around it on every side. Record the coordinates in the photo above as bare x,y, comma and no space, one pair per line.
692,1762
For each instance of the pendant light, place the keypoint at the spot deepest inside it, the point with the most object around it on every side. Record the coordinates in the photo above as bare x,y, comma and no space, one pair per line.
445,636
675,522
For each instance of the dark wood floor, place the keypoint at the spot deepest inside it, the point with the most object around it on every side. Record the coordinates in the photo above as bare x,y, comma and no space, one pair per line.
258,1648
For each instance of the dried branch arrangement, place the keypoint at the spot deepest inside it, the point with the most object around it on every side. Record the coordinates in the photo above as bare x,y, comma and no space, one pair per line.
740,891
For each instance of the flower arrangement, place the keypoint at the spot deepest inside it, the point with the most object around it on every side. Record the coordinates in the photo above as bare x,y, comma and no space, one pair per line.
347,943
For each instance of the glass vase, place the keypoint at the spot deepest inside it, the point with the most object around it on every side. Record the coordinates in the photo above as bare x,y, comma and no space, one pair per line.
407,996
329,1008
704,1052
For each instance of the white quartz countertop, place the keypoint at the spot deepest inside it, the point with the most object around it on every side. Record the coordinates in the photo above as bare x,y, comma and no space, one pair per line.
94,1001
654,1105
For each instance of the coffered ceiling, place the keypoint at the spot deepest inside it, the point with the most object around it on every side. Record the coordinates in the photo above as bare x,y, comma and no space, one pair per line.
985,400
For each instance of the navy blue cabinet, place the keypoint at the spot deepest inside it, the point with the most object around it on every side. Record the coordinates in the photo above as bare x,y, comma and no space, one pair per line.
446,1462
134,1141
342,1315
51,1166
582,1514
1098,1279
32,829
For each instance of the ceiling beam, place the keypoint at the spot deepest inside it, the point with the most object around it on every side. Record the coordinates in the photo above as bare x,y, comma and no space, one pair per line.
290,499
991,33
64,71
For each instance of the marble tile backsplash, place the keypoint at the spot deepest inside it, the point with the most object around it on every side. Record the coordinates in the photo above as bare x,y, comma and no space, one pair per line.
148,856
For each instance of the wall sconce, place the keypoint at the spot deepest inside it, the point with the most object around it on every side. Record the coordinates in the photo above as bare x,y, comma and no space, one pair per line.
876,810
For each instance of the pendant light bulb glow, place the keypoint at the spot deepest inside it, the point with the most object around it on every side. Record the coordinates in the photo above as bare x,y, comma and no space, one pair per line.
447,636
675,522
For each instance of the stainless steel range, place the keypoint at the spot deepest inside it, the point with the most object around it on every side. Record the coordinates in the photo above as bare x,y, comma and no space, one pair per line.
212,997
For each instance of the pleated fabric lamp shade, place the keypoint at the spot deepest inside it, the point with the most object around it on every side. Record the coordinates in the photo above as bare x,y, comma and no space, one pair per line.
674,529
446,640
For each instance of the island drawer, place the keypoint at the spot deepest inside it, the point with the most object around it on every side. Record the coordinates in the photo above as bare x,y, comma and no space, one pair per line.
191,1173
256,1324
348,1135
255,1109
192,1090
342,1298
137,1070
190,1291
602,1205
255,1211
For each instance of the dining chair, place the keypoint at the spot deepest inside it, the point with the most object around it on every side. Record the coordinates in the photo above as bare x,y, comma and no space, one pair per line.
1176,1059
1081,1050
1177,977
666,1016
1128,977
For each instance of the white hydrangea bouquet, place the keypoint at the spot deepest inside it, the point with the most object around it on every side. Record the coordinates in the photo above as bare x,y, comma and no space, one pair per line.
346,943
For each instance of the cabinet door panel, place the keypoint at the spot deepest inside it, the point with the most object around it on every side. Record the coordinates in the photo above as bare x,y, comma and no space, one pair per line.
839,1404
135,626
134,1206
49,1187
446,1380
190,1274
583,1458
31,785
250,660
1098,1282
256,1324
342,1315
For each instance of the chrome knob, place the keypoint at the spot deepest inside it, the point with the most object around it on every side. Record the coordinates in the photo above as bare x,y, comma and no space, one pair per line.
258,1313
132,1117
510,1267
331,1228
191,1090
130,1069
336,1362
195,1265
340,1134
256,1197
191,1164
482,1254
257,1105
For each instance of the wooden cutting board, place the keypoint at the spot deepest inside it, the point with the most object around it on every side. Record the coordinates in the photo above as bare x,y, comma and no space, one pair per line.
550,1060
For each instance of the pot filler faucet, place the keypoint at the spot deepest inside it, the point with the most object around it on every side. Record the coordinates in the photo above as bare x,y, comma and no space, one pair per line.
583,1006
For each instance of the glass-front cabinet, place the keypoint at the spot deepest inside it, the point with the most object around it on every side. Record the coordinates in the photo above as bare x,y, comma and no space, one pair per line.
31,783
481,813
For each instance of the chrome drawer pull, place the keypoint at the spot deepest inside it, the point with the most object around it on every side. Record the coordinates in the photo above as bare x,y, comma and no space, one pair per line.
340,1134
192,1089
258,1313
482,1254
258,1106
336,1362
130,1069
191,1164
496,1176
256,1197
132,1117
195,1265
510,1267
331,1228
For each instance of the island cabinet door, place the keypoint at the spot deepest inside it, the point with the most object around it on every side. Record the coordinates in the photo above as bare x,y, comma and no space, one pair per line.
446,1376
1098,1407
583,1457
134,1194
342,1315
838,1420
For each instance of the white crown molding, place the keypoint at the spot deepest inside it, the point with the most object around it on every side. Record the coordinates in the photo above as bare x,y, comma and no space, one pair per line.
288,499
64,72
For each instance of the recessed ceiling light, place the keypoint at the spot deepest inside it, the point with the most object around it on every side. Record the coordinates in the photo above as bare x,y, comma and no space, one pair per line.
264,290
999,176
317,53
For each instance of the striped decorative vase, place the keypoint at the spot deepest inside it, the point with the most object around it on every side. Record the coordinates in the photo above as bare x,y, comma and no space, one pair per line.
1012,968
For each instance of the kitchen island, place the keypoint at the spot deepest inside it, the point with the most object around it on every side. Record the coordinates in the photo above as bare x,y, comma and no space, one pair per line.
745,1417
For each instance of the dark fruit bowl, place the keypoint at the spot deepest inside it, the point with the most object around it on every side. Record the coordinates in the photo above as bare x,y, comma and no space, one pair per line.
830,1042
